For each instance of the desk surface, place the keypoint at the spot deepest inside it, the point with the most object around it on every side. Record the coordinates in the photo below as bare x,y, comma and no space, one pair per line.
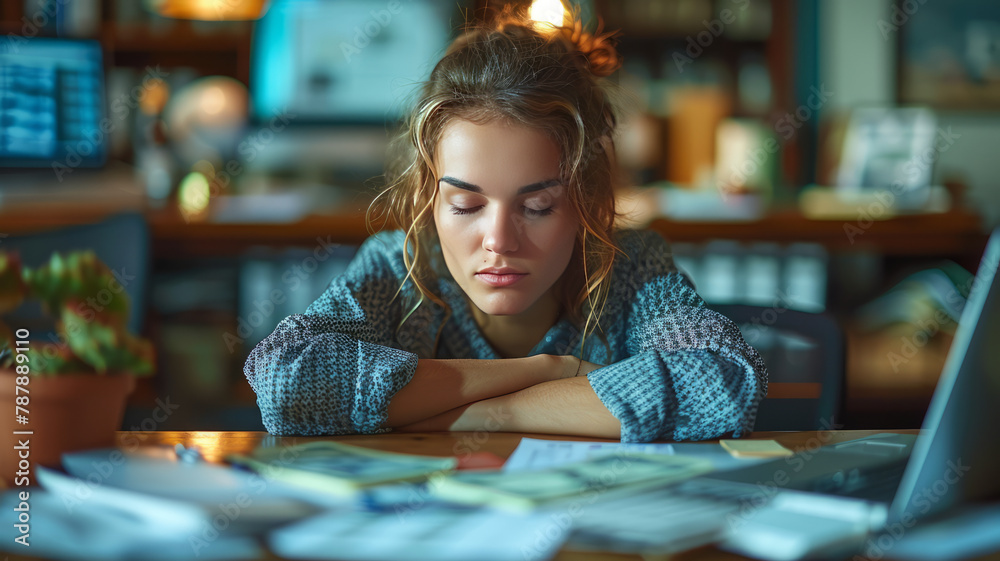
216,445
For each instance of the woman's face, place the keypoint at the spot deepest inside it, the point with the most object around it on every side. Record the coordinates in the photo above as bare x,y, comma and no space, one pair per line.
506,227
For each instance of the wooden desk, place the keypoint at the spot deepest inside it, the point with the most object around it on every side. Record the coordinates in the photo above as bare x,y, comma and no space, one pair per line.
216,445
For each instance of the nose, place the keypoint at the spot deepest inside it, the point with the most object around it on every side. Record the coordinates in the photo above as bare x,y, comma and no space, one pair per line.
502,233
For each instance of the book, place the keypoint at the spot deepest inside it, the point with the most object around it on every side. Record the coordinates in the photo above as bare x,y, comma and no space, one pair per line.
619,472
340,468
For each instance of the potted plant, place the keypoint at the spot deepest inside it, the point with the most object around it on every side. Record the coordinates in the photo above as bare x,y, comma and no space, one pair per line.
68,393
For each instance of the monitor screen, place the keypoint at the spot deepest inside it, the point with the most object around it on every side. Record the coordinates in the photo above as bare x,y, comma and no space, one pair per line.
350,61
51,103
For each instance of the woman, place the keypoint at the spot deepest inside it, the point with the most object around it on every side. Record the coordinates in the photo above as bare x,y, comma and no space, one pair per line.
515,305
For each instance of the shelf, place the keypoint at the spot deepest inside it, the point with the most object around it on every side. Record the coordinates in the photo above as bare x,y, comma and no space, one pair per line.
179,38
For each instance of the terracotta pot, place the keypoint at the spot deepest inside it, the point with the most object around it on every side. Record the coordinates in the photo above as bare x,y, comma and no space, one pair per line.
67,412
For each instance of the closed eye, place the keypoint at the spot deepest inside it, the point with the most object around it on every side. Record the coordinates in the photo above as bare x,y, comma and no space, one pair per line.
460,210
535,213
528,211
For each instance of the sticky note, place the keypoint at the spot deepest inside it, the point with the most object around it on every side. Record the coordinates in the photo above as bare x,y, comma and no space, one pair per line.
755,448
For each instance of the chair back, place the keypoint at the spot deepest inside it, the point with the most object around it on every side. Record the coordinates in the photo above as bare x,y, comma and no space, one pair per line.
804,354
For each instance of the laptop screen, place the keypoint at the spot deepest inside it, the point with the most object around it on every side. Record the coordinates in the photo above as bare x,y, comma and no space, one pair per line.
956,459
51,103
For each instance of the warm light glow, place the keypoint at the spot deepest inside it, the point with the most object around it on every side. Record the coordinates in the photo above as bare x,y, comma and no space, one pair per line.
551,12
209,10
155,95
193,195
214,101
209,444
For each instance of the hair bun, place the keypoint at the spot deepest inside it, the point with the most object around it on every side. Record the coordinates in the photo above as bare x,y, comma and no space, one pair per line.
599,48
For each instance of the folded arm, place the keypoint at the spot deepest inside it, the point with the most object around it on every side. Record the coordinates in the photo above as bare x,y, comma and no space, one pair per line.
440,386
566,406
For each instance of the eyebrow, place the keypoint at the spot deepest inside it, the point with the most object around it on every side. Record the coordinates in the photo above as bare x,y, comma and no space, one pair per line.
477,189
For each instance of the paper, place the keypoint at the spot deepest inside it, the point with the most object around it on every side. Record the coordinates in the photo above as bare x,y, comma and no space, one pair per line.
423,534
340,468
623,471
74,519
661,521
151,475
755,448
533,453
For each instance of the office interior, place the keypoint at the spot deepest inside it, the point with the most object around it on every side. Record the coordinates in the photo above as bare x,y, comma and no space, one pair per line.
825,170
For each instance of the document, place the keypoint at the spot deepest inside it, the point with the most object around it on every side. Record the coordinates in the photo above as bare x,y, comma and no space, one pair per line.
425,534
601,476
340,468
533,453
78,519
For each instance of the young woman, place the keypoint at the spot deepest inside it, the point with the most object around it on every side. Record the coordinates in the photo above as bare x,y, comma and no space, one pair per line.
508,301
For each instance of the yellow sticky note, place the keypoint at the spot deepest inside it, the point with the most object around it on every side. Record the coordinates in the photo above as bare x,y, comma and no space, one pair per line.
755,448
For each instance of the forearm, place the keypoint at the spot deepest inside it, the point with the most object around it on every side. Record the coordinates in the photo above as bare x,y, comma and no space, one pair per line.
439,386
567,406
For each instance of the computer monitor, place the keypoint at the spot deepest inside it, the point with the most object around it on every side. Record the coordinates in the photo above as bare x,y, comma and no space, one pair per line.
345,62
51,103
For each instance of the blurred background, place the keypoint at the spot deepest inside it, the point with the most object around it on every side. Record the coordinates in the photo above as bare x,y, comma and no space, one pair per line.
826,169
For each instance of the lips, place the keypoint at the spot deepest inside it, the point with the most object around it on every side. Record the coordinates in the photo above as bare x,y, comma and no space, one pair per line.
499,277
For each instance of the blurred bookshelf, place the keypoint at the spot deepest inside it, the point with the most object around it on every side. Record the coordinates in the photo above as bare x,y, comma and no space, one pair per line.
133,37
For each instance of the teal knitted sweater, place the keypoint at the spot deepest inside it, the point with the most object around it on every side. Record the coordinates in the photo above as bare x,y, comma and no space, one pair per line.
672,369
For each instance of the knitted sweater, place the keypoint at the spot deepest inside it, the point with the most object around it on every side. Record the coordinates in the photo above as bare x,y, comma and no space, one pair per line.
676,369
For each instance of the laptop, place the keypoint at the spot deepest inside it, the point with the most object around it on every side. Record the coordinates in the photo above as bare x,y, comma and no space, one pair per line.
897,479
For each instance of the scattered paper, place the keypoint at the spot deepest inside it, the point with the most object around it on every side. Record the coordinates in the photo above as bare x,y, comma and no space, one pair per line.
755,448
606,475
424,534
660,521
340,468
534,454
110,531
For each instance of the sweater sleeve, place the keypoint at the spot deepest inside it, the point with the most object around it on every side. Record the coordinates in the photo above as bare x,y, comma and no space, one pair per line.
333,369
689,374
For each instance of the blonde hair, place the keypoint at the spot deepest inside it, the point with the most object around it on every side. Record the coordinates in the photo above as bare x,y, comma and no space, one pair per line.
548,79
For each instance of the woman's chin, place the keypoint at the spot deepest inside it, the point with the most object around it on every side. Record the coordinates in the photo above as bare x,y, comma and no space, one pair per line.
501,308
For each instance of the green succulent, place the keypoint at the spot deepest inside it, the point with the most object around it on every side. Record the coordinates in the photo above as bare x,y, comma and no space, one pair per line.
91,311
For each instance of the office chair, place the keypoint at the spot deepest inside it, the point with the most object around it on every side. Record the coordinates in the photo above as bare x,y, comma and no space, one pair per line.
121,241
804,354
